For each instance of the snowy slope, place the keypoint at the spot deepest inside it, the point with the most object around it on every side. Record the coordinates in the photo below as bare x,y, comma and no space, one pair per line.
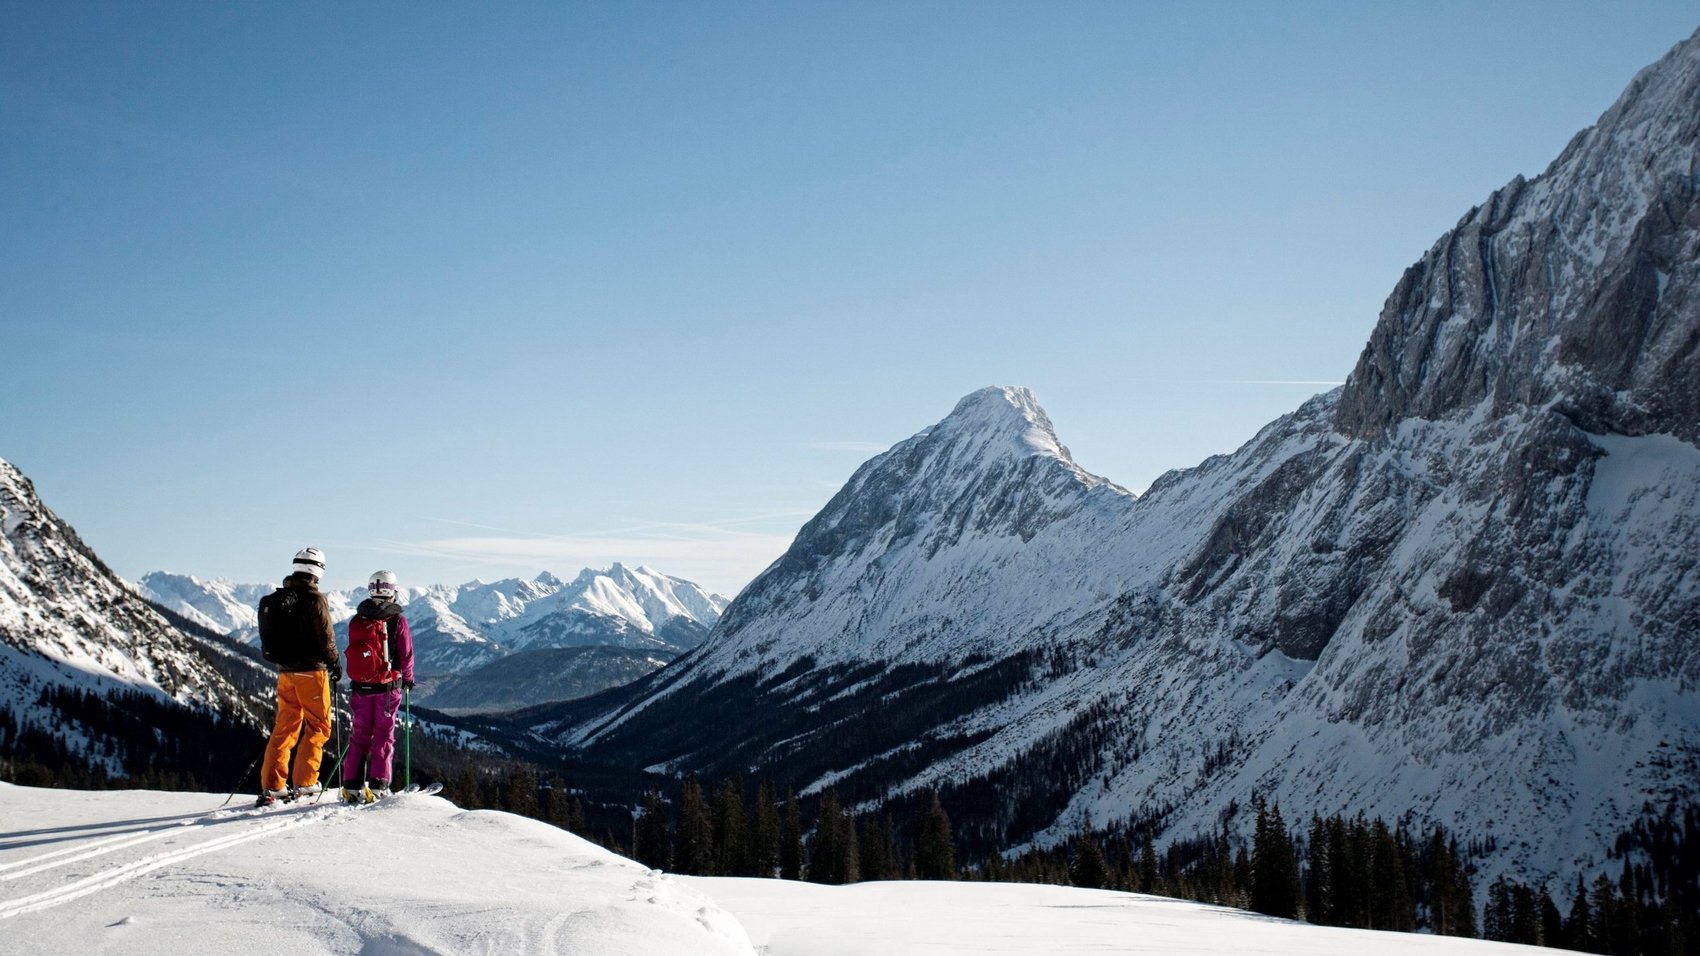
158,874
1463,586
66,621
1011,919
218,605
141,872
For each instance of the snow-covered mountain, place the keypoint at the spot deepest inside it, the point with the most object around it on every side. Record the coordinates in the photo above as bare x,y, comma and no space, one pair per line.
1464,586
624,621
70,627
218,605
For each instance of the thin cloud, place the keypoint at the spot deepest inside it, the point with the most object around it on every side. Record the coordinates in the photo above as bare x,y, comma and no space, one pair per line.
635,527
1237,381
856,446
1267,381
722,563
722,554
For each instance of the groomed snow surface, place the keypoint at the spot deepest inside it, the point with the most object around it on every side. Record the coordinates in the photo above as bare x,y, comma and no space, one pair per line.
141,872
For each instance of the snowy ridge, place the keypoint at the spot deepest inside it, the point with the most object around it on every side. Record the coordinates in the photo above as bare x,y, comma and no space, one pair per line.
247,881
457,628
66,620
1461,587
1561,289
218,605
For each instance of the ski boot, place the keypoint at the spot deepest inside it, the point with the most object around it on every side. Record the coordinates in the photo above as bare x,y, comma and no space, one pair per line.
272,797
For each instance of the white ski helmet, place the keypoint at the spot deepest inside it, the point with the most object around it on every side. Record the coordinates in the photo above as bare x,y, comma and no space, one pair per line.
382,585
310,561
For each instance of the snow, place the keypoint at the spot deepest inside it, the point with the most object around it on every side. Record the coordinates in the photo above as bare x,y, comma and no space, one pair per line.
474,621
144,872
1011,919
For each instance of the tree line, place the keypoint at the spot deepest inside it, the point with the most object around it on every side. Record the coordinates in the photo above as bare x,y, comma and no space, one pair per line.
1652,907
1335,871
726,833
125,739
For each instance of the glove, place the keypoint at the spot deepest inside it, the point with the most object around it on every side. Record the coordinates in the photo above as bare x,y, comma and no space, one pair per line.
336,673
407,684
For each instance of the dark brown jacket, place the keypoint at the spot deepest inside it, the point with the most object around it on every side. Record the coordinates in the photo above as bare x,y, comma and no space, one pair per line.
327,659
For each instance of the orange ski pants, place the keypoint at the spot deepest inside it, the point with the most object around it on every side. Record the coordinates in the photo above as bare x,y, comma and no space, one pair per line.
303,698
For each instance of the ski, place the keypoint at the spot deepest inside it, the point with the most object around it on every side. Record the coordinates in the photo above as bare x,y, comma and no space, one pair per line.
412,791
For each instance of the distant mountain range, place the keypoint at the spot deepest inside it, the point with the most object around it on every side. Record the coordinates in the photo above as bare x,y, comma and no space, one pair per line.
473,640
1464,588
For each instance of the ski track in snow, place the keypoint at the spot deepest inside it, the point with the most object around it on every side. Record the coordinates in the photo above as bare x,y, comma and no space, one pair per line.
119,872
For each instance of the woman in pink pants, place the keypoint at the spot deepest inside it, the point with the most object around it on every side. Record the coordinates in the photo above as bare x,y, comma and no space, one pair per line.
379,663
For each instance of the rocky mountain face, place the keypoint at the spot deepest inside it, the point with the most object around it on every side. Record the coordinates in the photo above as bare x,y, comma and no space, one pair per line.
472,641
1461,589
74,638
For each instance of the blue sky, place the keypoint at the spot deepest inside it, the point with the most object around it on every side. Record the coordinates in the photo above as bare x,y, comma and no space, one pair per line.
463,292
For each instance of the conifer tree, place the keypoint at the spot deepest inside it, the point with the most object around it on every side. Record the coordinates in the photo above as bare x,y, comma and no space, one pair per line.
1440,875
1149,881
1125,873
791,840
1390,898
1551,921
652,836
1318,882
826,851
463,791
555,804
764,833
1274,866
935,849
849,865
1499,918
731,831
1579,926
1087,866
879,851
522,792
693,849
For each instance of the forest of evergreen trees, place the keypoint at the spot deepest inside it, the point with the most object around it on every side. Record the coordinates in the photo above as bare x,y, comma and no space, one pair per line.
1334,871
1337,871
123,740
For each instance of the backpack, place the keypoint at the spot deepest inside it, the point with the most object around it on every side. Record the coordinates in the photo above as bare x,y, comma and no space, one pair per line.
289,627
368,655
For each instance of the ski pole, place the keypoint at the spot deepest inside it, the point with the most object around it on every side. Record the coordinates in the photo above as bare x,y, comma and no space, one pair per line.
342,752
407,740
245,773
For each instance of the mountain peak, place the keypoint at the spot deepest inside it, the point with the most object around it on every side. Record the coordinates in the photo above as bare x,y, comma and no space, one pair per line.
1574,288
1004,417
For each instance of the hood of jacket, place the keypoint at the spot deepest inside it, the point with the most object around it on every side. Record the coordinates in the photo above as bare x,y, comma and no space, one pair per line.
378,608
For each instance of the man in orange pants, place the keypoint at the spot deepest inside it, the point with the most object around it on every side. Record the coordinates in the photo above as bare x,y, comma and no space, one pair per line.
296,634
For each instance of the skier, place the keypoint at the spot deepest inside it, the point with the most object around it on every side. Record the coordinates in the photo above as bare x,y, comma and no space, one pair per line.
380,665
296,634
